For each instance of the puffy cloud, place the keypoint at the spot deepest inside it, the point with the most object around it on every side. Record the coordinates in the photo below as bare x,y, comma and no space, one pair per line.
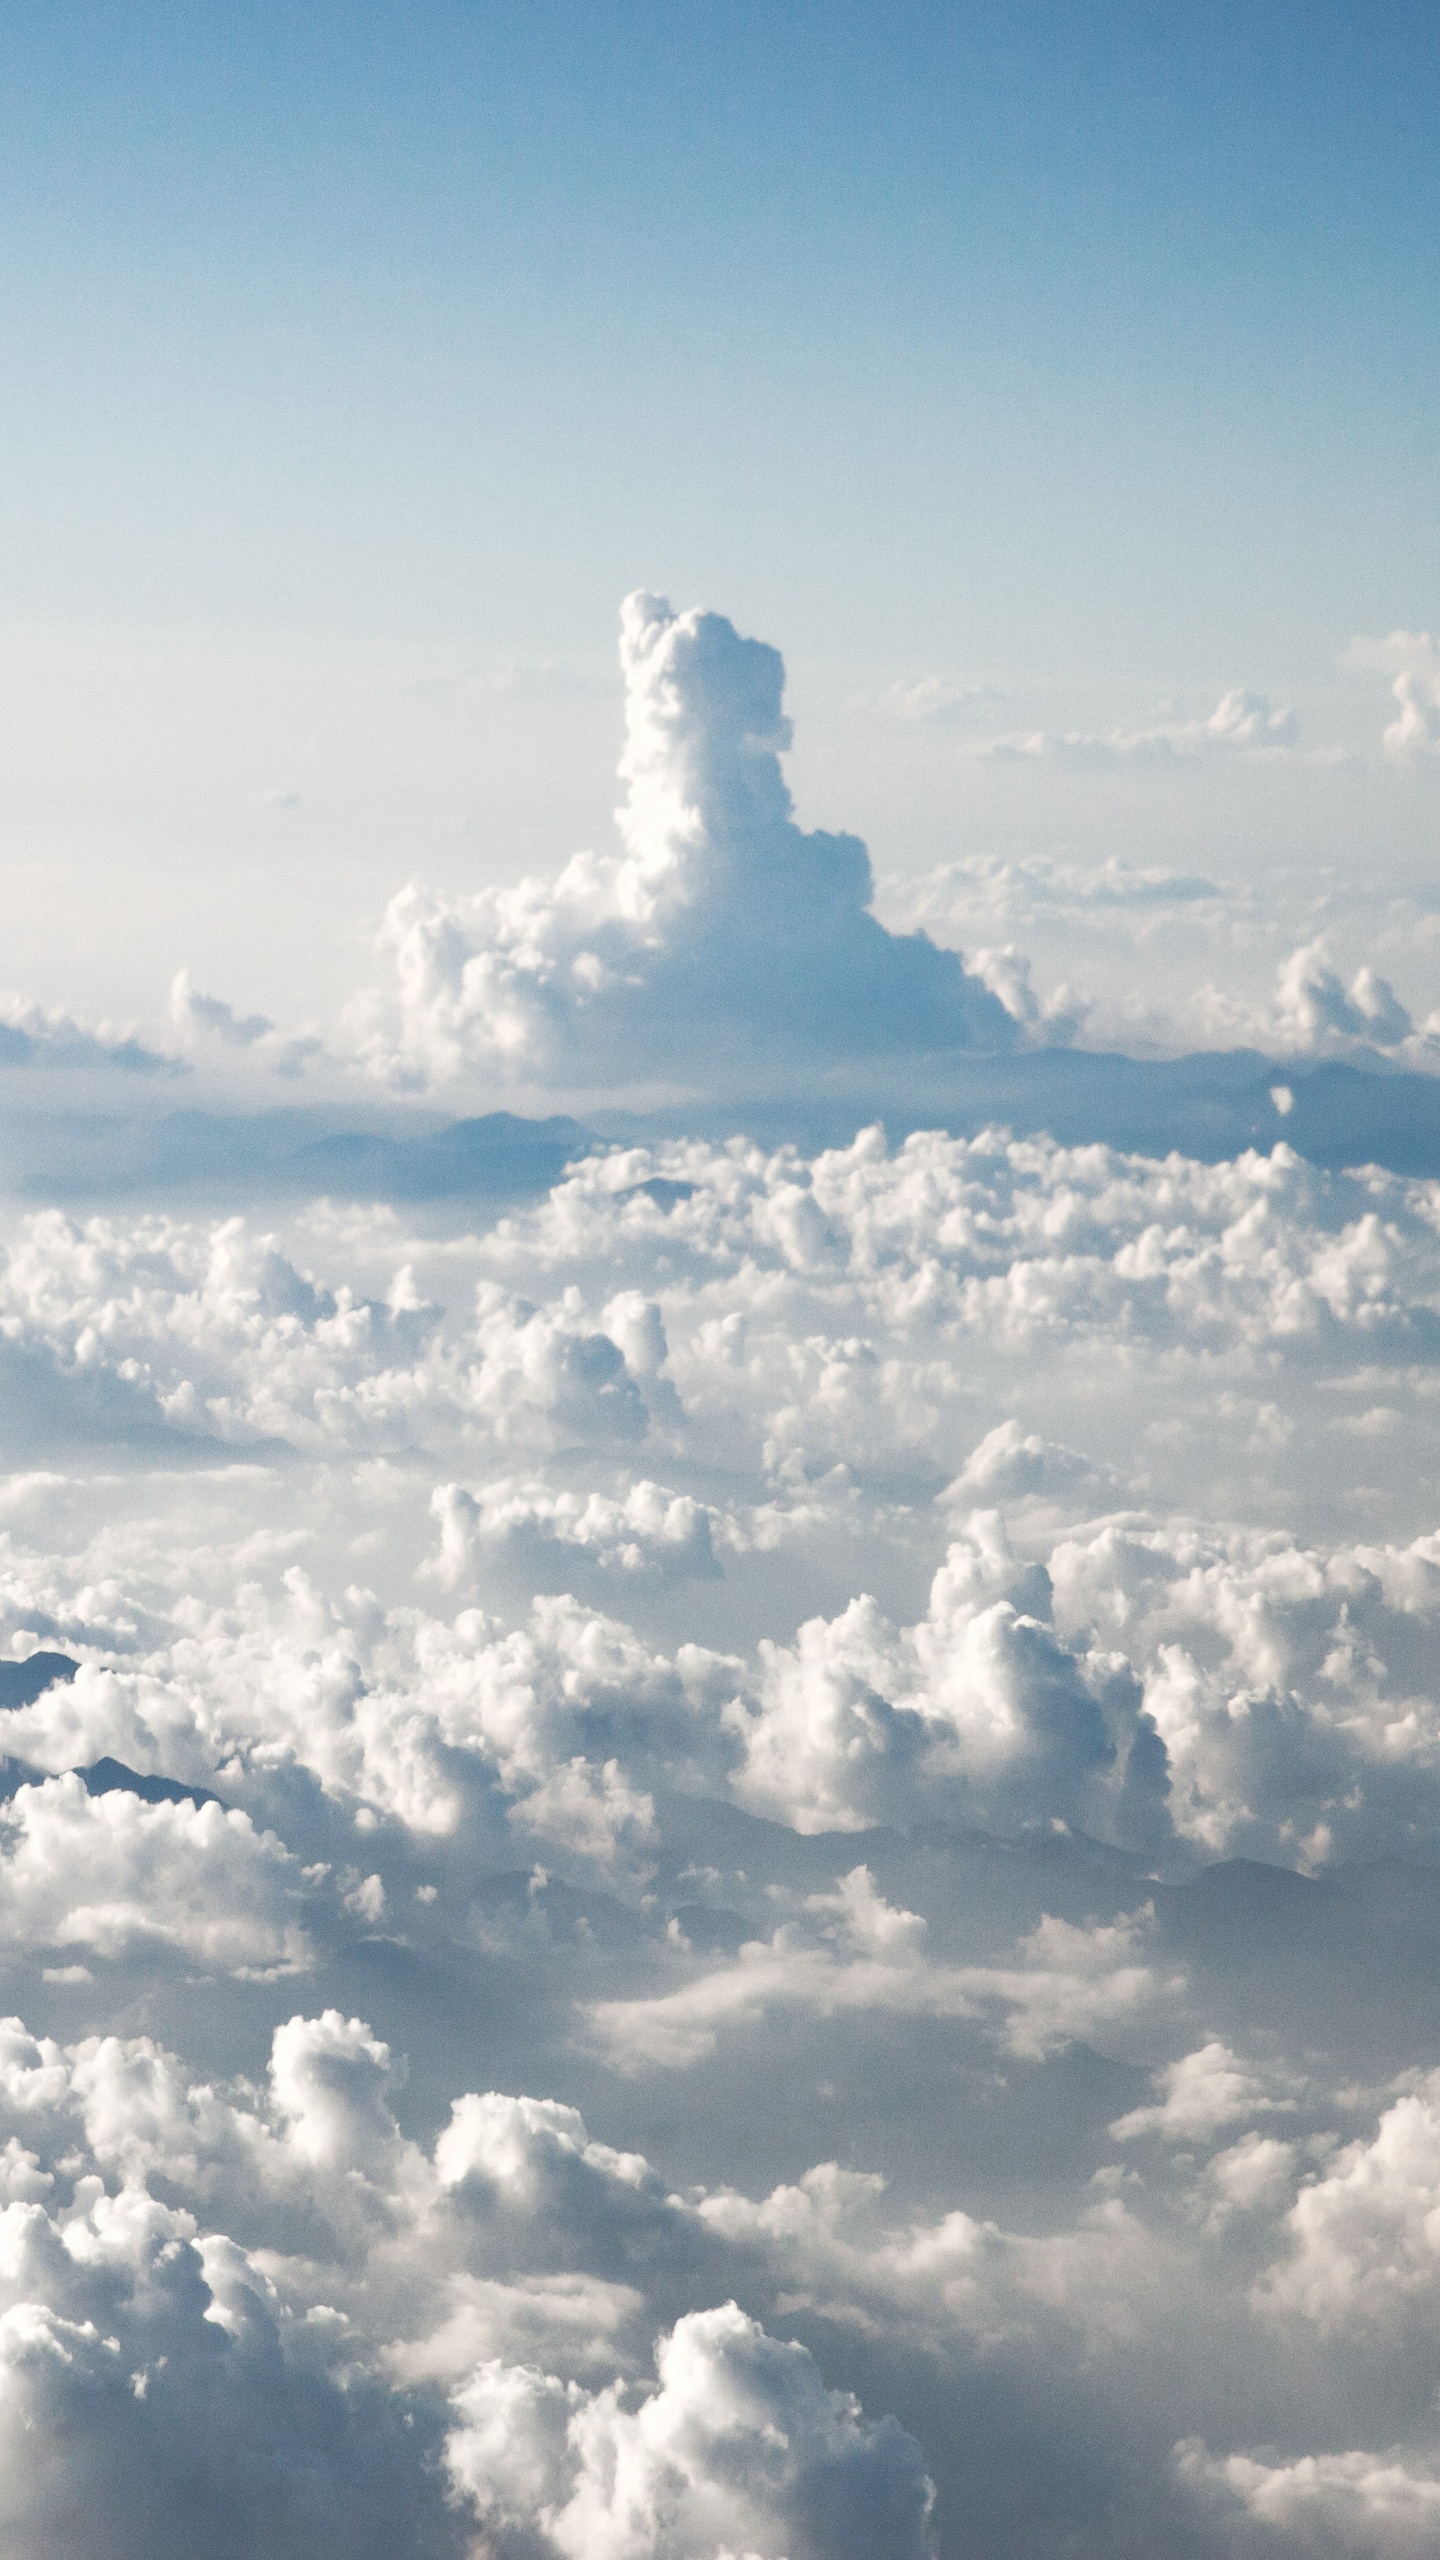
744,1308
1286,1683
600,1624
646,1530
1365,2237
155,2385
1011,1465
1314,1010
199,1017
741,2448
721,940
1414,661
815,1335
1377,2506
1199,2096
1255,2175
101,1873
799,1848
1053,1021
832,2241
421,2264
850,1261
978,1705
1315,1014
41,1036
211,1331
147,2398
353,2316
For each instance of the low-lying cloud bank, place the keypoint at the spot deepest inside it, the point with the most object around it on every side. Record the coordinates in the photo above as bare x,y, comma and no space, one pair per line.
706,1843
677,1850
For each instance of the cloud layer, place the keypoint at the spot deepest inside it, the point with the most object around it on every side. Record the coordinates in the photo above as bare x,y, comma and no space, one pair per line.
691,1818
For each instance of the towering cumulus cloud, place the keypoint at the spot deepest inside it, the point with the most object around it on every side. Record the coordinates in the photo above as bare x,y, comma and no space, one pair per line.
723,939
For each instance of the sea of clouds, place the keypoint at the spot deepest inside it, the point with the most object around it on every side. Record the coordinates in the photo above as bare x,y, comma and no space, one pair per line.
720,1827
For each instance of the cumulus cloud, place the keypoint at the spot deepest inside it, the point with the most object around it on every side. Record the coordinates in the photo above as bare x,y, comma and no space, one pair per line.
1364,2241
1200,2095
345,2329
35,1035
200,1017
155,2384
741,2448
814,1334
1053,1020
1371,2504
1010,1465
212,1331
722,940
97,1873
1314,1013
978,1705
646,1530
1413,660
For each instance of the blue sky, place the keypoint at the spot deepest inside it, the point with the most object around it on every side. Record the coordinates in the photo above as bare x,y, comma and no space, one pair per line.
1039,341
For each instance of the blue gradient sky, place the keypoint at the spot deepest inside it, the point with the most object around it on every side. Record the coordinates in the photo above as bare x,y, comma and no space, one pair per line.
1055,341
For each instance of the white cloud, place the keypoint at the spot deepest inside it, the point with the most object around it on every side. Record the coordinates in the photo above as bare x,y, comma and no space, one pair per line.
812,1336
1414,661
103,1873
42,1036
1314,1013
156,2385
1365,2238
752,1870
1200,2095
851,1954
1010,1465
740,2449
1374,2505
1051,1021
721,941
646,1530
765,1644
1242,723
198,1017
977,1707
184,2381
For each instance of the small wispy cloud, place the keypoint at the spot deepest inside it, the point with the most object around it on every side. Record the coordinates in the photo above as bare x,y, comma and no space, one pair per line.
1242,723
941,702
